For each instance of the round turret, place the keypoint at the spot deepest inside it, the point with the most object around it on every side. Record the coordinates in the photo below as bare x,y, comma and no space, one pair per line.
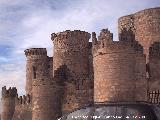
71,58
116,70
71,48
40,84
145,25
8,102
36,57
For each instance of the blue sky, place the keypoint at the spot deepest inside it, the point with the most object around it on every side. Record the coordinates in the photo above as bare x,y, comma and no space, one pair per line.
29,23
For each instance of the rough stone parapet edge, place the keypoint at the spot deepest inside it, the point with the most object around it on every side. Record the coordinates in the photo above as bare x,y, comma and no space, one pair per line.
36,51
11,92
140,12
23,100
107,45
69,33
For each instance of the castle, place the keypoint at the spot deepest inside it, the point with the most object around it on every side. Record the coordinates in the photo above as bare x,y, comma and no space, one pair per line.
82,72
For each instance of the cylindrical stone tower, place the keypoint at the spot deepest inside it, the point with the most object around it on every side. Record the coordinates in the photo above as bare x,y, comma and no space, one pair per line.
31,63
71,48
115,69
8,103
43,101
71,55
31,70
146,26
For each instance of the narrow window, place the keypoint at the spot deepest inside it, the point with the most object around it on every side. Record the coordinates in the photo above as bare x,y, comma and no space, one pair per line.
34,72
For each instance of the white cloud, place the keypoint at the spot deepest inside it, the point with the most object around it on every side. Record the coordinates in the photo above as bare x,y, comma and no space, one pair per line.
14,2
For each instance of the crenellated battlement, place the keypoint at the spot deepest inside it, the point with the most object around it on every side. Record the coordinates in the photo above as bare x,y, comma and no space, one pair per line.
22,100
70,40
114,47
69,34
11,92
104,38
36,51
105,43
105,35
154,50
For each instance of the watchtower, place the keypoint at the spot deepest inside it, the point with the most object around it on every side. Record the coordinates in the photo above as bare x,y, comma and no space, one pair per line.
71,54
8,102
42,89
116,69
146,26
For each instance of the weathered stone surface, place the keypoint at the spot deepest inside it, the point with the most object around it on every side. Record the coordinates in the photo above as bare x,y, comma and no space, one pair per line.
82,72
8,103
73,57
146,26
154,66
116,72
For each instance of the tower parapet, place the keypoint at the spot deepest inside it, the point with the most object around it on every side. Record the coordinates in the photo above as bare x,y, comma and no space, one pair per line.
105,35
11,92
35,51
105,42
22,100
104,38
